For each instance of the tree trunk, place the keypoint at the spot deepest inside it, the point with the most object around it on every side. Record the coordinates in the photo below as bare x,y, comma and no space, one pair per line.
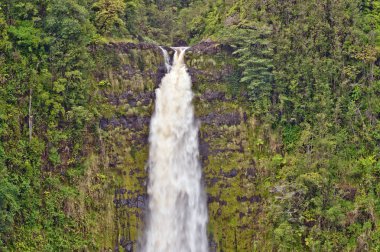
30,115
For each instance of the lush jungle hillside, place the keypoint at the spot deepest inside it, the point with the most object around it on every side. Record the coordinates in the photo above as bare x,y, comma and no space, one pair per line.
287,92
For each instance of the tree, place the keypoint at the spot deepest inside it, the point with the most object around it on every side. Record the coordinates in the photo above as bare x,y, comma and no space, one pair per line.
254,53
109,16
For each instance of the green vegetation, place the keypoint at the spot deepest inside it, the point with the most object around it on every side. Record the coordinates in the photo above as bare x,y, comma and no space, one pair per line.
303,167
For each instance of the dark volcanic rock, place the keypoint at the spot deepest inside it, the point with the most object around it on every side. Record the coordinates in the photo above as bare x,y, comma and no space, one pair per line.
128,71
126,244
205,47
251,172
210,47
212,244
213,181
141,201
136,123
252,199
160,74
136,202
210,76
145,98
231,174
180,42
213,95
103,123
120,191
204,149
211,199
222,119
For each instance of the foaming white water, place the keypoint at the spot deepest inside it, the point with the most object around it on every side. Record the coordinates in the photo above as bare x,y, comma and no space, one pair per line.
177,205
167,59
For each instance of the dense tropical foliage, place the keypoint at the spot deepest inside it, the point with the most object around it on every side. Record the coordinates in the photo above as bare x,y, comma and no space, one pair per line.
311,72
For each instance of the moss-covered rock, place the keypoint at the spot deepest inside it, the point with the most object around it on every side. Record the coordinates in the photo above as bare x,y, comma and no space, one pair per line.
116,171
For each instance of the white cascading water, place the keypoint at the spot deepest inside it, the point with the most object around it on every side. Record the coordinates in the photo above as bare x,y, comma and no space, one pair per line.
166,58
177,215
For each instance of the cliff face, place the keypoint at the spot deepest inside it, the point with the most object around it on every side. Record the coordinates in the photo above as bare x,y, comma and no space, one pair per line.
115,181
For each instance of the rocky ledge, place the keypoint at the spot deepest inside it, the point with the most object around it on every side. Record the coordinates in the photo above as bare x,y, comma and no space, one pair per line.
207,47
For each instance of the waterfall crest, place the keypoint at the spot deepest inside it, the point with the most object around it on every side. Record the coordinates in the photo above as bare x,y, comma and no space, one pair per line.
177,216
167,59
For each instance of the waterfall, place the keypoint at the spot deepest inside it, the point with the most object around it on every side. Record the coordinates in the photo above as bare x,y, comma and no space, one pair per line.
177,216
166,58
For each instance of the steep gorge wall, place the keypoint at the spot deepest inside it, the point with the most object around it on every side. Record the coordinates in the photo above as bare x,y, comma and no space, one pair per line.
115,180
